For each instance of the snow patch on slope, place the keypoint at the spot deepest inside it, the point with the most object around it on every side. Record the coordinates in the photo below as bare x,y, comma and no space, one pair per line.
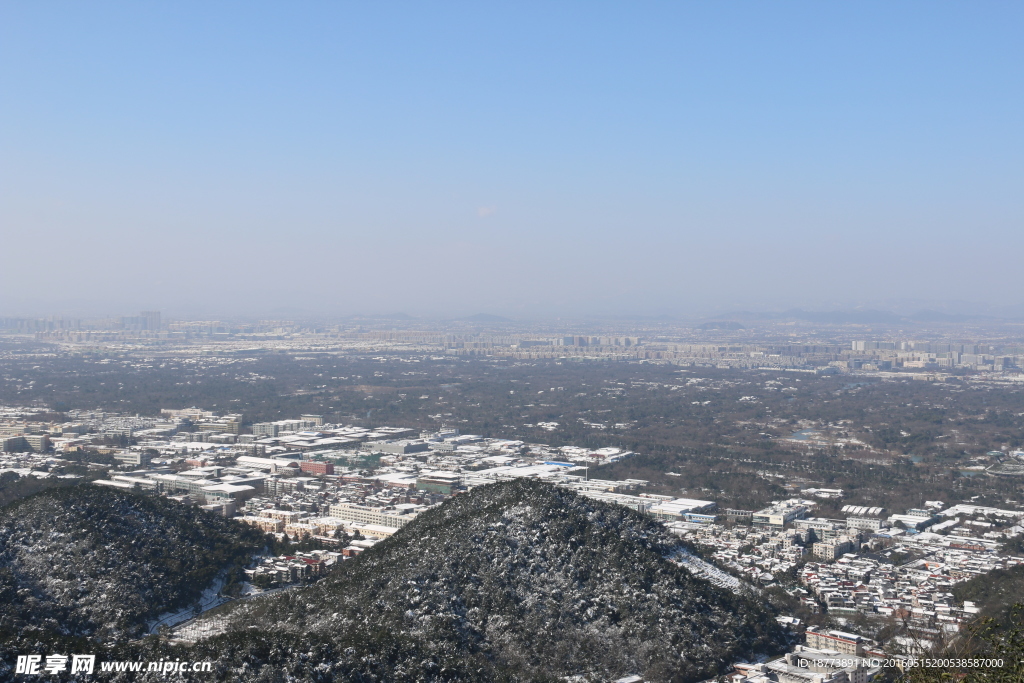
710,572
210,598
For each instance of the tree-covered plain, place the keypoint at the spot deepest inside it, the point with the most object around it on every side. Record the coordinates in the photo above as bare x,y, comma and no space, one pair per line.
892,443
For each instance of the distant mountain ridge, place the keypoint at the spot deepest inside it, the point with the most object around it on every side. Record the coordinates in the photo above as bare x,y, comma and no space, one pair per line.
382,316
722,325
854,316
515,581
485,318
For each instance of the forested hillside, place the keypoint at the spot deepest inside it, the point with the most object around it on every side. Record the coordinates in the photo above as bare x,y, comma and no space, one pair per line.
512,581
89,563
995,592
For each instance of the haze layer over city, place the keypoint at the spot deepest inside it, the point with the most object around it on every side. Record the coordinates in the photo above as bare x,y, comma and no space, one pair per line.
512,342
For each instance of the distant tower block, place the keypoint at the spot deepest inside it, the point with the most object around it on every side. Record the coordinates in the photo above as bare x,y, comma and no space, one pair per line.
152,319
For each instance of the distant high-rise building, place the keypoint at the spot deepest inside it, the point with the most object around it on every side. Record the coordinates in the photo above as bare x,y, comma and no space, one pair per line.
152,319
265,429
146,320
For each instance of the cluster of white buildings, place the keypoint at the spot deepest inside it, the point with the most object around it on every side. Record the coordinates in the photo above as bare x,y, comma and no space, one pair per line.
305,479
294,568
918,592
784,536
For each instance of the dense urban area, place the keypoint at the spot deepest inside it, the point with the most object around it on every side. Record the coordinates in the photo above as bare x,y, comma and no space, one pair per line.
865,474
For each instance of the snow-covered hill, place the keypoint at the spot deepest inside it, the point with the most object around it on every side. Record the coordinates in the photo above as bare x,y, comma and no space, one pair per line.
513,581
85,563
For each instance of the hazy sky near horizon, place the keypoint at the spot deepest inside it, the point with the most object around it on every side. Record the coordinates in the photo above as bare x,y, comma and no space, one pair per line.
522,158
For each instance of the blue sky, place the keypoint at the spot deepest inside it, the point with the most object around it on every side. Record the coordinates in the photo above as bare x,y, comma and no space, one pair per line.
517,158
